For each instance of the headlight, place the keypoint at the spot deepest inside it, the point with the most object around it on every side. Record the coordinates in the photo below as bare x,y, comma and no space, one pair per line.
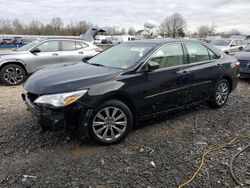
60,99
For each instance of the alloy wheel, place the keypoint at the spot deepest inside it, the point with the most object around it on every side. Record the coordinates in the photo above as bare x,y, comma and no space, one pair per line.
222,93
13,75
109,123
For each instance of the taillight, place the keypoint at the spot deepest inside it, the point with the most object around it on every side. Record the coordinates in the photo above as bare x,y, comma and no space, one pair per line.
237,64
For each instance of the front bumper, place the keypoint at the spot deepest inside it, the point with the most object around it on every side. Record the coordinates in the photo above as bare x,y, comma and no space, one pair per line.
47,118
71,117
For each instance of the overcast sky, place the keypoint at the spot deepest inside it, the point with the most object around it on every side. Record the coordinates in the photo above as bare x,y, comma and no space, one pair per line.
226,14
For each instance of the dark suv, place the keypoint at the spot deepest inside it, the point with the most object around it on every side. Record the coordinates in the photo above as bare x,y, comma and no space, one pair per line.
105,96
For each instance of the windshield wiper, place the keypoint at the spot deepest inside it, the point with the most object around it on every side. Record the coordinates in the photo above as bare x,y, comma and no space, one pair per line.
96,64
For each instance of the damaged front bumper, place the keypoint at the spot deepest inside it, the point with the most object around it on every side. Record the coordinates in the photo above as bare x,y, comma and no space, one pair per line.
72,117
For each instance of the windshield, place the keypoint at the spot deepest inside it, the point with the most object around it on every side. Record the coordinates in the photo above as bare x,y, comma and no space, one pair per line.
221,42
29,45
122,56
247,49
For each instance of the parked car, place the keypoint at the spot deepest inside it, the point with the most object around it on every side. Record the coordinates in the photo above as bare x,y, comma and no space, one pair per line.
244,59
107,41
15,66
105,96
229,46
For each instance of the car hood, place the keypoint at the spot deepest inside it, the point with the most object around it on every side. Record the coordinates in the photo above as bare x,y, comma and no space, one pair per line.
66,78
243,56
222,48
10,53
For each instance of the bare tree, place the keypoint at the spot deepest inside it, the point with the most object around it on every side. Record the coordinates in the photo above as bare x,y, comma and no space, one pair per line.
35,28
234,32
57,24
5,26
173,24
205,30
17,26
131,31
163,30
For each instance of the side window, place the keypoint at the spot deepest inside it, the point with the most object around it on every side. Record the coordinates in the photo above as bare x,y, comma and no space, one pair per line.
50,46
243,42
233,43
169,55
212,55
78,46
239,43
68,45
84,45
197,52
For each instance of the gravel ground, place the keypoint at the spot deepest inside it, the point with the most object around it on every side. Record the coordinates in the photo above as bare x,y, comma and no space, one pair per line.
161,153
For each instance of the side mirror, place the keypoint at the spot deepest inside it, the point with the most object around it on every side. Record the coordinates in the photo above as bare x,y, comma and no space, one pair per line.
152,65
35,50
85,59
241,48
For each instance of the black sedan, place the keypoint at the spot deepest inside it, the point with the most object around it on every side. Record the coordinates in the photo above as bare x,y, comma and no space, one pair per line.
244,59
104,97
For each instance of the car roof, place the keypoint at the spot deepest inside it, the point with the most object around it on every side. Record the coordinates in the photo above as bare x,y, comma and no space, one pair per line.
163,41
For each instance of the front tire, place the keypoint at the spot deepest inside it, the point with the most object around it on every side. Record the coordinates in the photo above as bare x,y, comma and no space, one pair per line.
111,122
12,75
220,94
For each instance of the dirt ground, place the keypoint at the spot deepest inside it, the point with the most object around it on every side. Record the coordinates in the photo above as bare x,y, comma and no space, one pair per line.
161,153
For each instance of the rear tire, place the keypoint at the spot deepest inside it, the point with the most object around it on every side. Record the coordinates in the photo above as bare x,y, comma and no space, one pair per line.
111,122
12,75
220,94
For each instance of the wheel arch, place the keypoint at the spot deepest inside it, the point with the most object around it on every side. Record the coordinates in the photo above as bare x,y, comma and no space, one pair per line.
230,81
15,63
125,99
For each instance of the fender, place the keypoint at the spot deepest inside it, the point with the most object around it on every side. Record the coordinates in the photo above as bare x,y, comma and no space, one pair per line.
17,61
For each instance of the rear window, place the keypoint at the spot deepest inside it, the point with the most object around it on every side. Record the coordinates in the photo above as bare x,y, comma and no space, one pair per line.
197,52
68,45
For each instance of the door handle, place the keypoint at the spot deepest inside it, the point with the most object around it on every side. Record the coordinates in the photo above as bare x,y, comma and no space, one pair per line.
55,54
219,65
80,53
182,72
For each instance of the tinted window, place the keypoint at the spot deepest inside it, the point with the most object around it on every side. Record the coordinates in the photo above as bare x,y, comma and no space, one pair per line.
169,55
68,45
213,55
197,52
50,46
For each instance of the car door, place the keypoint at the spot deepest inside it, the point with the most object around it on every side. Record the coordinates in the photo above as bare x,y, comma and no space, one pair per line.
47,54
233,47
163,89
71,51
204,69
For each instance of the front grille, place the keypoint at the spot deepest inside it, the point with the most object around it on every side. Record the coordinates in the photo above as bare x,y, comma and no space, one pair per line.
244,64
32,97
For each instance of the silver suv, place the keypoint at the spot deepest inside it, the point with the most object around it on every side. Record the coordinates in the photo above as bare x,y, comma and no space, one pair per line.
229,46
16,65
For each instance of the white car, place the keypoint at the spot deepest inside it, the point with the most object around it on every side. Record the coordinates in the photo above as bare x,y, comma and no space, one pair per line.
229,46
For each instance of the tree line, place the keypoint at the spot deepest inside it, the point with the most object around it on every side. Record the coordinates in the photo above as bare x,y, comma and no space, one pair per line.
35,27
172,26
